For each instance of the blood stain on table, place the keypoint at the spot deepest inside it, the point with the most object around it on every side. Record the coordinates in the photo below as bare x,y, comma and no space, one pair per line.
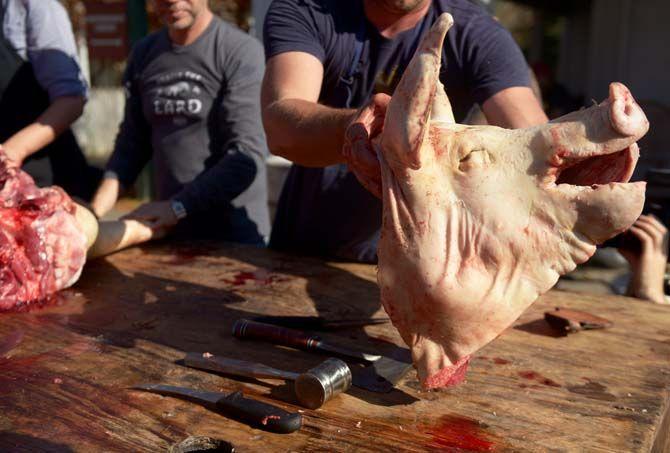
496,360
500,361
533,375
261,276
452,432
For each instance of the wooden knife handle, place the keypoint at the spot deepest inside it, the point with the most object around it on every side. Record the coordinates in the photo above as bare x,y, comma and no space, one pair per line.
253,330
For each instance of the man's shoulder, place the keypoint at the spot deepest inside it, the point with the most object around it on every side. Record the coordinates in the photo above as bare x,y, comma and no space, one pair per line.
462,10
230,35
40,6
150,40
464,6
315,9
148,47
234,44
41,13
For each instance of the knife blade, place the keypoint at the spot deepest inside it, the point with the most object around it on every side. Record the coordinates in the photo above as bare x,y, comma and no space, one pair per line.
234,405
317,322
235,367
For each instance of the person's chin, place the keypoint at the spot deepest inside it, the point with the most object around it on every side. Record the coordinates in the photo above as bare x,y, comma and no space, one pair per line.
182,23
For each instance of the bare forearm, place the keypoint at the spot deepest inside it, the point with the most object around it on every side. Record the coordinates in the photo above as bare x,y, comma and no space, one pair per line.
514,108
116,235
305,132
647,286
105,197
55,119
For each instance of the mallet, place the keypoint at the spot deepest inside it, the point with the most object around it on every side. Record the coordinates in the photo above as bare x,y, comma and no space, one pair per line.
312,388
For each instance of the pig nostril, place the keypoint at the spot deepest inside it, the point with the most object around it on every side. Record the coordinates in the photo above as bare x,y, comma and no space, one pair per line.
629,109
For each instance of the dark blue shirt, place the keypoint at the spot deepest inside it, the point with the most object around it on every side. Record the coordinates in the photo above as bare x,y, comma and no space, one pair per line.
325,211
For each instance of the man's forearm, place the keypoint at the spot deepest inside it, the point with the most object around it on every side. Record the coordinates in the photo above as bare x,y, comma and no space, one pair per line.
305,132
55,119
222,183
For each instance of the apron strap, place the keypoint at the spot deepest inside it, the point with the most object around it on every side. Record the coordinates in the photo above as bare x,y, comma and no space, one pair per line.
348,80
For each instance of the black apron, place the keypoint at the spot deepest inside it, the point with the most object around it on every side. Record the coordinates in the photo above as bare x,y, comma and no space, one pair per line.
22,101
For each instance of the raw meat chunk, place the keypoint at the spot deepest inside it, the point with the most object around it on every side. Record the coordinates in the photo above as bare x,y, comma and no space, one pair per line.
42,246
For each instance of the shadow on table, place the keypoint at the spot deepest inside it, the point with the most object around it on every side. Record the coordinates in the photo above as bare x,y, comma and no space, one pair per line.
192,317
21,442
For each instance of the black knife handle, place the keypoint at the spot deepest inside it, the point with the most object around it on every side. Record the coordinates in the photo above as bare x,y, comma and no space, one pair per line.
253,330
259,414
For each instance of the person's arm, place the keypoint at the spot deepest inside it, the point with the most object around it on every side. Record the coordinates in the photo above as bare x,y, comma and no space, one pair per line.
514,108
242,147
132,149
649,263
50,48
105,197
56,118
498,75
297,127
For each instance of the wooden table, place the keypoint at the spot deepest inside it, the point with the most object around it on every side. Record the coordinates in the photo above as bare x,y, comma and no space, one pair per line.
132,315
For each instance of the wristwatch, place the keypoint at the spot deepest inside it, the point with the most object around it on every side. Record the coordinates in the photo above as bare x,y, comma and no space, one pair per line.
178,209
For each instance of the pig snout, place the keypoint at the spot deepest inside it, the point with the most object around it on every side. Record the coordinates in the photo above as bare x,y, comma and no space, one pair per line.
595,145
626,116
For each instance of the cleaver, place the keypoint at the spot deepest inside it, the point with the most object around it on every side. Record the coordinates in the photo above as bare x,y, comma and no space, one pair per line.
380,374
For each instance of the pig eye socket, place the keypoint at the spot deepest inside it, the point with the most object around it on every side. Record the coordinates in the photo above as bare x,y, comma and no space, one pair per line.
475,158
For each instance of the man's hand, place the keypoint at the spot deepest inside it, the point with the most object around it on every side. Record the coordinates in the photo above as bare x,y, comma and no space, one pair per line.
358,149
648,266
15,159
158,215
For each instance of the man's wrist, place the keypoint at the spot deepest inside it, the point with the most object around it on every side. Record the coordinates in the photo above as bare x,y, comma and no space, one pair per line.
14,153
178,209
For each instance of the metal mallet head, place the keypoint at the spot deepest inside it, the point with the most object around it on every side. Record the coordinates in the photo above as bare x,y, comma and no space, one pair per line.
319,384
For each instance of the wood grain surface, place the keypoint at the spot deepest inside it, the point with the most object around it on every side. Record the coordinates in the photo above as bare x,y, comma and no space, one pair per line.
65,369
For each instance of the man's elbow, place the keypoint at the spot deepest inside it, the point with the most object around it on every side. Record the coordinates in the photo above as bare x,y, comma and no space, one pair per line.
71,107
78,108
278,140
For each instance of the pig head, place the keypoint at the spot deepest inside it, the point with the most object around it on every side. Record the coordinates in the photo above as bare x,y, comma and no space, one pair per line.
479,221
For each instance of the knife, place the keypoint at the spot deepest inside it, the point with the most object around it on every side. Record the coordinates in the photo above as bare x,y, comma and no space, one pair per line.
317,322
292,338
380,375
234,405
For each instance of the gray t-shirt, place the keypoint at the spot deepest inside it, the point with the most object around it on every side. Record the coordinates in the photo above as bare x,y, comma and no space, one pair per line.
195,111
40,32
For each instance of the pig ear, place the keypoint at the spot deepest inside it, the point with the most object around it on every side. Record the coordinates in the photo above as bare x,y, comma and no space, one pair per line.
441,110
418,92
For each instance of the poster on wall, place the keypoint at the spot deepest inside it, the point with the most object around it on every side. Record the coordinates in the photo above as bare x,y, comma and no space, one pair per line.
107,29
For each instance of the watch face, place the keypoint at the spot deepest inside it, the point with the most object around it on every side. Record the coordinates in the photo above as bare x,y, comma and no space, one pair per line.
178,209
